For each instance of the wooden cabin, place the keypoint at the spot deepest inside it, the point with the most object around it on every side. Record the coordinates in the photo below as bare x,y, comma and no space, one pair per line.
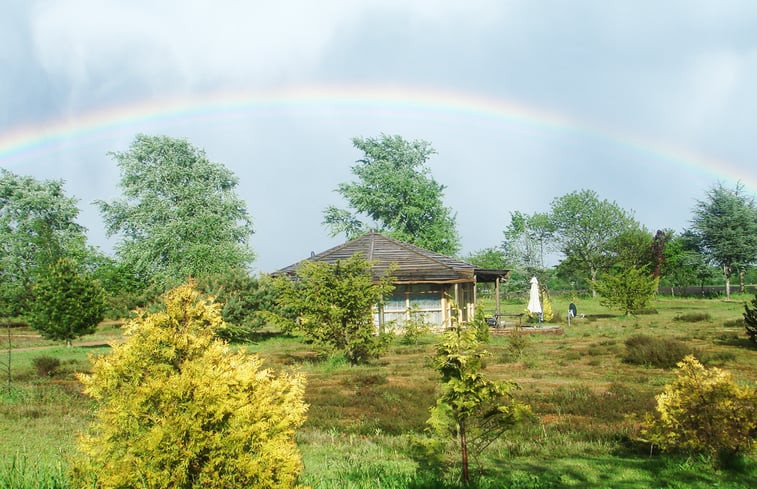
425,282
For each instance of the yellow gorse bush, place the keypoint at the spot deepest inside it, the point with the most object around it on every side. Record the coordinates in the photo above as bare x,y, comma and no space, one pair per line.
177,408
704,410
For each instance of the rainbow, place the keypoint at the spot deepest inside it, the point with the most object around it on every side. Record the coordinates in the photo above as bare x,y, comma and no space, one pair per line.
21,144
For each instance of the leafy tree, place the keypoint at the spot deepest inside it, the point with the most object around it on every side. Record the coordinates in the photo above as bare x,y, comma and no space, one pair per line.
703,410
67,303
629,289
396,192
683,262
725,223
333,305
492,257
176,407
527,239
124,292
475,410
632,248
245,299
180,215
37,227
586,227
750,320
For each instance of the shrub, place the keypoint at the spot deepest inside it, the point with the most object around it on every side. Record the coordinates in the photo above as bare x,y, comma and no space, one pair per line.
693,317
176,407
517,343
750,320
46,365
654,351
414,327
703,410
631,289
333,305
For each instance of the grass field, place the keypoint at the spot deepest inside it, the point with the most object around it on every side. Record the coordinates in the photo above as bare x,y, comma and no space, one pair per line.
362,420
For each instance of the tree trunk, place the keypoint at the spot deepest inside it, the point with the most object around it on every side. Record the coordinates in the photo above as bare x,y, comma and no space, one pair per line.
727,273
742,287
593,279
464,452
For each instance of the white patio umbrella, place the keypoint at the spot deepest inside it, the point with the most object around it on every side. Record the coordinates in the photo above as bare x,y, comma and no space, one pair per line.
534,306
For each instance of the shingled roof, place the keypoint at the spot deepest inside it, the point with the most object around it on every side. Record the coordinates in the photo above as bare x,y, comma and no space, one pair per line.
411,263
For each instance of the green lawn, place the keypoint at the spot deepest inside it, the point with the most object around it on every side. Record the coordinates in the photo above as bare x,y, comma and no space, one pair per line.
362,420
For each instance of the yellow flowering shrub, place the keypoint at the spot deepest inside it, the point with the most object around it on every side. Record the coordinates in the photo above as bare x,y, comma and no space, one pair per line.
177,408
704,410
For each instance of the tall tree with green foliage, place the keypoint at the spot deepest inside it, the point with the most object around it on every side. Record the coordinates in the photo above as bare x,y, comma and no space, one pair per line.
684,263
527,239
179,215
476,410
585,229
397,195
68,302
37,227
333,305
175,407
492,257
632,248
725,223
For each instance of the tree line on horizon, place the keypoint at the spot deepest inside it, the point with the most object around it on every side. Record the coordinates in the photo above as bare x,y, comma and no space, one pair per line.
179,216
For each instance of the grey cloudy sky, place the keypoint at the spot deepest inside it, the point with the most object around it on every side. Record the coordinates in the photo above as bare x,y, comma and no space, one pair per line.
646,102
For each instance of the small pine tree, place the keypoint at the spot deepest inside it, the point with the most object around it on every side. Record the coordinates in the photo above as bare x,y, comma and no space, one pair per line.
474,409
703,410
750,320
630,290
67,304
176,407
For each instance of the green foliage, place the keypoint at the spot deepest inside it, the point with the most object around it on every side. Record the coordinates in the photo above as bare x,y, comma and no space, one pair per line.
179,215
517,343
475,410
684,262
481,326
750,320
704,410
67,302
37,227
176,407
414,327
46,365
123,290
655,351
633,247
693,317
629,289
725,224
245,300
586,228
333,305
527,238
492,257
396,192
